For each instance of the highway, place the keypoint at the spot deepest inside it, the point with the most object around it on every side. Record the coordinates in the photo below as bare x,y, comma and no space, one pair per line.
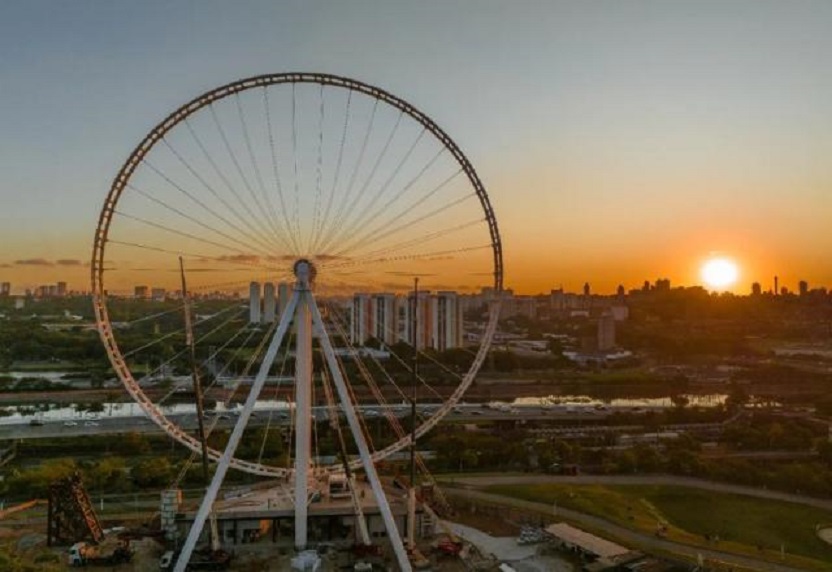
102,424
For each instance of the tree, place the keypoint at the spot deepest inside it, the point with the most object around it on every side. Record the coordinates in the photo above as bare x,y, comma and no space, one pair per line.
106,474
468,459
154,472
679,401
737,397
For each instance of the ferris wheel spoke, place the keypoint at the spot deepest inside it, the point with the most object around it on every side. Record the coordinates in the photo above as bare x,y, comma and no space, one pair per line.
254,219
276,171
202,365
179,332
412,257
236,262
193,198
385,206
213,386
280,375
340,211
401,213
270,212
336,176
296,206
263,240
408,367
360,219
348,211
316,215
191,218
381,254
181,233
267,223
377,235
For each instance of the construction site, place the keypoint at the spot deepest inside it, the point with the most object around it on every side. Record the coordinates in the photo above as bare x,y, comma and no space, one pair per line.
252,528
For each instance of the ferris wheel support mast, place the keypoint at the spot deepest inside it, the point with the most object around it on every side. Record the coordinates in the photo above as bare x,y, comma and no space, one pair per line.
233,441
303,405
304,311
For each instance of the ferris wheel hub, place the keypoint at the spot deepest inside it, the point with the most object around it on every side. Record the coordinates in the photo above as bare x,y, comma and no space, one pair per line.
304,271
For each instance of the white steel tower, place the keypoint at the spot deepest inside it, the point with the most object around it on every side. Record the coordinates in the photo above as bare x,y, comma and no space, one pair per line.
304,312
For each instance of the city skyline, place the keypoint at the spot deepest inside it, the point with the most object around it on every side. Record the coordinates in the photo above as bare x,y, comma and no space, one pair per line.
617,142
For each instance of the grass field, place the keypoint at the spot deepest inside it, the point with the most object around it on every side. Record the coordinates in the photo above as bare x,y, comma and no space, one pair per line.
753,526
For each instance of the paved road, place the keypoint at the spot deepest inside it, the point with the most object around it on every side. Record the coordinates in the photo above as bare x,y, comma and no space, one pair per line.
628,536
102,424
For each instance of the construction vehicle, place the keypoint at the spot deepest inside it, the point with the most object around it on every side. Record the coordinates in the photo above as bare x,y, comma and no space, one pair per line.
86,554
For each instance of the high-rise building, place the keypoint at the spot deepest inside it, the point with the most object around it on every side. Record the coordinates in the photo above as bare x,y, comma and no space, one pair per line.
803,287
283,295
606,331
385,322
5,289
424,321
446,321
158,294
61,289
254,303
268,303
140,292
361,319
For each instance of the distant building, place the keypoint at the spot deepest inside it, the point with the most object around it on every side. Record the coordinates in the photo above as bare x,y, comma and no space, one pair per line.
61,289
385,321
269,303
518,306
446,320
620,312
361,319
254,303
140,292
5,289
606,331
423,318
437,319
284,292
756,289
803,287
158,294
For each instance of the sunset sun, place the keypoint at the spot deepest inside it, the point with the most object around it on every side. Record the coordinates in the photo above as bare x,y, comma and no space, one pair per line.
719,273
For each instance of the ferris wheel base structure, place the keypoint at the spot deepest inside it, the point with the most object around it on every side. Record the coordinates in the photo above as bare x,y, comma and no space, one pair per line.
304,312
269,514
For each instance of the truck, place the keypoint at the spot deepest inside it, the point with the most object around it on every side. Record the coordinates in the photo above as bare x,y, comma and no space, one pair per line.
86,554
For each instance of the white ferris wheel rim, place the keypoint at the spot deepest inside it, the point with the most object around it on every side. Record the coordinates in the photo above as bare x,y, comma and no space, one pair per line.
122,179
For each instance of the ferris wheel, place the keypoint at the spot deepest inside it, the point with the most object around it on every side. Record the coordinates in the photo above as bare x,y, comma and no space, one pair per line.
335,193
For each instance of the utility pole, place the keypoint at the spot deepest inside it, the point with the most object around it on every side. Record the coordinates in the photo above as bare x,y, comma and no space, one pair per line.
200,410
411,492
